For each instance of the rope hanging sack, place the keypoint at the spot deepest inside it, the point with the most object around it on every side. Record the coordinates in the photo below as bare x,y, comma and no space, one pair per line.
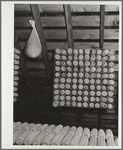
33,47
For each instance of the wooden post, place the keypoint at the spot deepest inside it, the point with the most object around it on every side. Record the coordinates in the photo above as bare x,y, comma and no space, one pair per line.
24,69
102,21
68,20
38,23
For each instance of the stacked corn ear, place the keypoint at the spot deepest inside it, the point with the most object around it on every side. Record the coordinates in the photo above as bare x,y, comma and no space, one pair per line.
93,137
110,138
38,134
16,68
83,78
101,138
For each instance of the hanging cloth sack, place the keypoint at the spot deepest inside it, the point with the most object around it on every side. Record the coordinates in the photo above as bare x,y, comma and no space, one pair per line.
33,47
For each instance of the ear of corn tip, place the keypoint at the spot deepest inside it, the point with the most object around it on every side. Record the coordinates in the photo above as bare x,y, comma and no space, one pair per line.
95,53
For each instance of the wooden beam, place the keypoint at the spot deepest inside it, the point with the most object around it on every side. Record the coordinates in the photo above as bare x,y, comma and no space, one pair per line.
23,68
102,21
38,23
68,20
60,14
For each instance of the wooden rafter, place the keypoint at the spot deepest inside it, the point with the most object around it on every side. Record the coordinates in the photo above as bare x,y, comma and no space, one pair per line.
38,23
68,21
102,21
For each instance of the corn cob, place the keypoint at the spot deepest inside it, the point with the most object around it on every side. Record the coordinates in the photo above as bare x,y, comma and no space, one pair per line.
103,99
83,141
79,104
85,137
110,64
112,52
58,138
97,99
15,89
98,57
97,105
16,125
105,52
28,140
94,132
66,140
116,141
55,103
85,98
14,99
57,56
93,51
16,51
21,137
87,51
91,105
110,106
41,130
16,62
78,134
112,58
16,56
16,67
68,103
110,142
87,57
93,141
16,78
109,133
110,99
34,132
15,72
39,138
80,51
75,51
63,51
73,104
47,140
58,51
99,51
15,94
18,130
104,88
111,76
101,138
105,58
62,103
57,63
70,58
92,99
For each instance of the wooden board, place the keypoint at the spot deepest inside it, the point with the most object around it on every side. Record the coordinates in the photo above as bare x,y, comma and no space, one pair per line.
77,34
78,45
74,7
60,21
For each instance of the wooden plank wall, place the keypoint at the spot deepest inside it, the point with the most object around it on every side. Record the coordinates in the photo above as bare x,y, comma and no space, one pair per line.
85,28
85,22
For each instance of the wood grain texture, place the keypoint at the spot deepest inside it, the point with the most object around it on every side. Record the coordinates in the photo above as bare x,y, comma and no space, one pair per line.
68,21
38,23
78,45
77,34
74,7
102,18
60,21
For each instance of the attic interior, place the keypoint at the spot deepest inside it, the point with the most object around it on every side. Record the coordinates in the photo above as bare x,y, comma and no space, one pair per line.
35,85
